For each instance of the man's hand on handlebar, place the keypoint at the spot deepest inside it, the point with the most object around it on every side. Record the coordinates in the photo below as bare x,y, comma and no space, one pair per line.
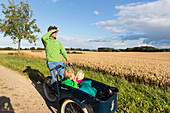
68,62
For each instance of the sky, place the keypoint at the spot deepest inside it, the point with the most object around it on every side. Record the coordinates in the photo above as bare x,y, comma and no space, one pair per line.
91,24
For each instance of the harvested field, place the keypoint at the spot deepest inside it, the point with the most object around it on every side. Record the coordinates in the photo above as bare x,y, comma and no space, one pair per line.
143,67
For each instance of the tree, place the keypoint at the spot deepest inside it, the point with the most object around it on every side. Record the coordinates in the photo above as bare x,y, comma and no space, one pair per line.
106,49
32,48
18,22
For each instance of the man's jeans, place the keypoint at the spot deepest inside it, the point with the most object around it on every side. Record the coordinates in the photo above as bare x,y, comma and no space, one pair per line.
60,70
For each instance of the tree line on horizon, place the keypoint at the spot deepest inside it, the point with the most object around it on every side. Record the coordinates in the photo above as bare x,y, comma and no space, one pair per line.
134,49
103,49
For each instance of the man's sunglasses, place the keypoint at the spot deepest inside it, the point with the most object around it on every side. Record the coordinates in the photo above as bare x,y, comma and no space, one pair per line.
56,32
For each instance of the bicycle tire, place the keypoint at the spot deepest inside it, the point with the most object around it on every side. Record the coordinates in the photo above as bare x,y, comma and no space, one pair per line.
50,93
70,106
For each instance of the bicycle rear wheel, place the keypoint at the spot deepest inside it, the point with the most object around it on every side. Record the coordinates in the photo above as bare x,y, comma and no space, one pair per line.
49,91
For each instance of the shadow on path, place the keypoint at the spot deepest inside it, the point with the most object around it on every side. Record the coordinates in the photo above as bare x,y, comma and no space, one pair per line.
5,105
37,79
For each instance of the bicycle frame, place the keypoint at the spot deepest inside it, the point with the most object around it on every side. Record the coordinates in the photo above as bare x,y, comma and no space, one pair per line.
59,66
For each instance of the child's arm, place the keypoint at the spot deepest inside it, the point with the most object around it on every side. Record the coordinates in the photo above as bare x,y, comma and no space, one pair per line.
75,84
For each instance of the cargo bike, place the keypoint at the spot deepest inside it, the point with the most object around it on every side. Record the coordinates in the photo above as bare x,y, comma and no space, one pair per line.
72,100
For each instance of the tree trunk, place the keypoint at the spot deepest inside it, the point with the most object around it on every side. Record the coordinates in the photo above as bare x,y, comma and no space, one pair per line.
19,42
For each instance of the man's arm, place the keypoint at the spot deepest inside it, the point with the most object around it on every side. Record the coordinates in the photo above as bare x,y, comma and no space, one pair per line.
63,52
45,37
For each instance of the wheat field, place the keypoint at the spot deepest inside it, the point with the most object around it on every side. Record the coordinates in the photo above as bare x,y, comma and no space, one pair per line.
143,67
152,68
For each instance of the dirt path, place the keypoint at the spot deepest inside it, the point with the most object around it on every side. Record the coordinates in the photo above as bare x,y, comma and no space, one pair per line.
19,94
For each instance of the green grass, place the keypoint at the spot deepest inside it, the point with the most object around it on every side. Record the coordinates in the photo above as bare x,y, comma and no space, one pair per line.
132,98
33,68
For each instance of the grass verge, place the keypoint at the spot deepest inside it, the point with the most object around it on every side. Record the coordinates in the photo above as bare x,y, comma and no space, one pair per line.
132,97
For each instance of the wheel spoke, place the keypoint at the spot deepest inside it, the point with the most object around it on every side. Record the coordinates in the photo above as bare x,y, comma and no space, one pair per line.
68,110
73,108
71,105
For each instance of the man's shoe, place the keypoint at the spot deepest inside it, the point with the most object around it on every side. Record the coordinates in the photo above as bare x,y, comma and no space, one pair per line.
51,85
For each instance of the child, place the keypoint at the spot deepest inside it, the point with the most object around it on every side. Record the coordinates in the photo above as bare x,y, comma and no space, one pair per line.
85,85
69,78
79,76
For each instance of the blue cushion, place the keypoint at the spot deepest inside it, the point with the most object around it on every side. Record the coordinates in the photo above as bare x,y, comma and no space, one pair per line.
85,86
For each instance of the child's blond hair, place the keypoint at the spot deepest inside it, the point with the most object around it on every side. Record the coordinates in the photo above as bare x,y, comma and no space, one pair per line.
80,75
68,73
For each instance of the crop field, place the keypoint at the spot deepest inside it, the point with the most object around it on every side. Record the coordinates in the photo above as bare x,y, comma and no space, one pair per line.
143,67
149,68
131,98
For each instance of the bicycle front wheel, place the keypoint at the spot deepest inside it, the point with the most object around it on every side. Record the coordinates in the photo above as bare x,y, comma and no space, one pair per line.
50,92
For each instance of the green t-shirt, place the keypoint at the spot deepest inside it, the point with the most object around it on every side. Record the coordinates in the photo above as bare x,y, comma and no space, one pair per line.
53,48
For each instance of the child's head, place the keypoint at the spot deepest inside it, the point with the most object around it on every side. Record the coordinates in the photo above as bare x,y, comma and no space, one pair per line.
69,73
80,75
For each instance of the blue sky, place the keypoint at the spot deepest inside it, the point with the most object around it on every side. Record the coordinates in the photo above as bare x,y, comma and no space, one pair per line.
101,23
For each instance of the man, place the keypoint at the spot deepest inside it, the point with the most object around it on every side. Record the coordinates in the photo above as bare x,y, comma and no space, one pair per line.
53,49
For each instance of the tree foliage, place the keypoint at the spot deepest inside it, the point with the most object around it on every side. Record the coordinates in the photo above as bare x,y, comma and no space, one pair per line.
18,22
134,49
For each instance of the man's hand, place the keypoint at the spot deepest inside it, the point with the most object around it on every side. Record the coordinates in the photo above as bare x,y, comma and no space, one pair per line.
68,62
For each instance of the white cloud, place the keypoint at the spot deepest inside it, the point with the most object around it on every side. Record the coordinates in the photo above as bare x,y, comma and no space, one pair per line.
152,19
96,12
164,46
8,42
65,38
94,43
139,45
156,8
54,1
115,29
68,42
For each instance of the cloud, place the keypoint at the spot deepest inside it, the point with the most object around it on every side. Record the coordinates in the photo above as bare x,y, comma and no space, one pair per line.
94,43
65,38
99,40
68,42
139,45
54,1
80,42
96,12
151,19
115,29
132,37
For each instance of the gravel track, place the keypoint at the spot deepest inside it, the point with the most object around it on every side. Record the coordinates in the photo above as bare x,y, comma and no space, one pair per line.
18,94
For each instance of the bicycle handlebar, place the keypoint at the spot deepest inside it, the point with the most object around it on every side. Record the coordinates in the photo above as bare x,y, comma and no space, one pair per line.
70,65
58,66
